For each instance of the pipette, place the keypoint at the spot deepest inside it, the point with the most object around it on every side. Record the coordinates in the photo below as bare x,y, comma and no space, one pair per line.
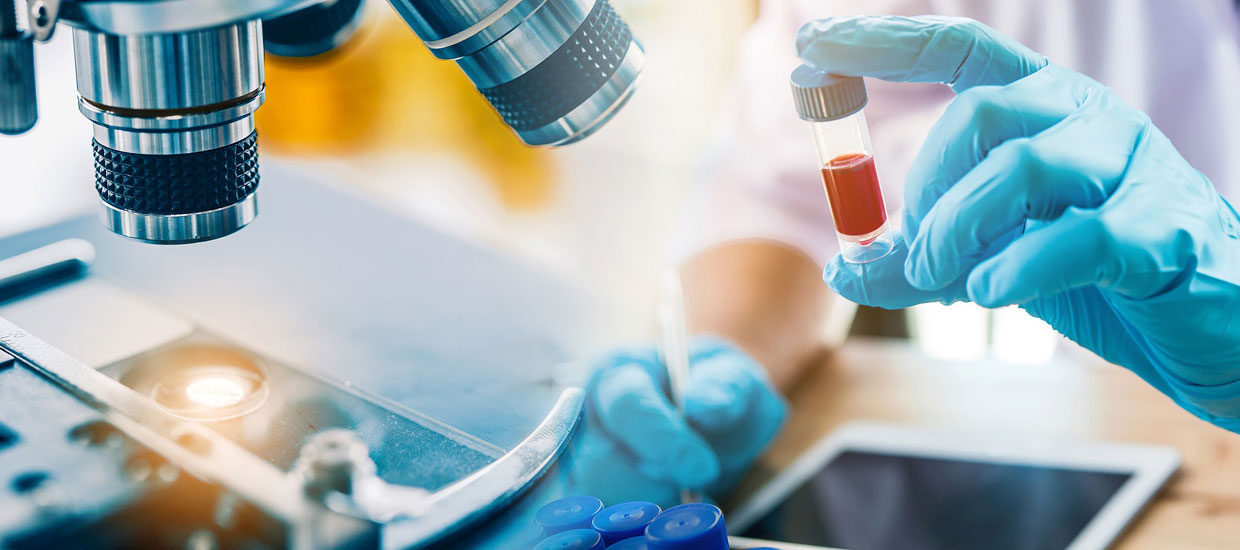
674,349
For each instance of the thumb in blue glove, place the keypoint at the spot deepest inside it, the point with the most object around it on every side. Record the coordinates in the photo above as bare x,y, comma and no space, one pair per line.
881,283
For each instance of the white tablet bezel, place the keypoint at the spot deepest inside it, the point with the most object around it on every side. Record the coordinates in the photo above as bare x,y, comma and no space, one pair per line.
1150,467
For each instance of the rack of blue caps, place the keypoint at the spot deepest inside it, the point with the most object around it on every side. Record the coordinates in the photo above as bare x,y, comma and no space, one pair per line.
583,523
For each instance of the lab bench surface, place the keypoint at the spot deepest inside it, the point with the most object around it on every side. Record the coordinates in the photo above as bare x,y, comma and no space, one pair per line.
1072,398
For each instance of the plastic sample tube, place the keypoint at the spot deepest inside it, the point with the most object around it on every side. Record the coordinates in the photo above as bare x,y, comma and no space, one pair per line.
835,108
576,539
625,520
688,527
575,512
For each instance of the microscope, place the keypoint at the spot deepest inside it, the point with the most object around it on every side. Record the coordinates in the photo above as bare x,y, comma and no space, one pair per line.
171,86
164,398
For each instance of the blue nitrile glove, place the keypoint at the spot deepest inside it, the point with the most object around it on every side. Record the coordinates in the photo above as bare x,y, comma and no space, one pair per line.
632,445
1040,187
635,446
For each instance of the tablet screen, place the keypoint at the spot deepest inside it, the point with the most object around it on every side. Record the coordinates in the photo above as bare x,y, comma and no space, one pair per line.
865,500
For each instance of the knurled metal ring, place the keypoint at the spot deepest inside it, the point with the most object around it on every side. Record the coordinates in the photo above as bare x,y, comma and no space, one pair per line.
569,76
177,184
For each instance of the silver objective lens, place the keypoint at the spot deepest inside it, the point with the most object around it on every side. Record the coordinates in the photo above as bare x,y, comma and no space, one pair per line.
555,70
176,156
172,86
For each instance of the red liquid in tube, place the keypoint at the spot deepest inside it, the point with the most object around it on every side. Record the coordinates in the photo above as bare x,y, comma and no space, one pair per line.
855,196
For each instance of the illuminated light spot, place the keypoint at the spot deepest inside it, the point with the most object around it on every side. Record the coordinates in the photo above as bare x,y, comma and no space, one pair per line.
215,392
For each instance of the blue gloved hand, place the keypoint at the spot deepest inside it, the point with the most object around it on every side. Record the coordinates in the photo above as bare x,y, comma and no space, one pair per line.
632,444
1040,187
636,446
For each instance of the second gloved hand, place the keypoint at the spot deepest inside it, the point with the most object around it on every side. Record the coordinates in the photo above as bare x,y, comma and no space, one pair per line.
632,444
636,446
1040,187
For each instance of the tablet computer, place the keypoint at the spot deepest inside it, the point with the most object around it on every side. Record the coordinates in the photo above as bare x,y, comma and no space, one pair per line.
880,486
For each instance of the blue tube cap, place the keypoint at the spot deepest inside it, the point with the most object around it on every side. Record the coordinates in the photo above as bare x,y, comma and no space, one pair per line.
625,520
635,543
688,527
568,513
576,539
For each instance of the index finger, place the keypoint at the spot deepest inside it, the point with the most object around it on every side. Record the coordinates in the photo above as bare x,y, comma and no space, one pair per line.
953,50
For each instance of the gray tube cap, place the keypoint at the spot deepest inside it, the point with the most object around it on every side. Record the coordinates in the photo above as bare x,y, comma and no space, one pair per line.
821,96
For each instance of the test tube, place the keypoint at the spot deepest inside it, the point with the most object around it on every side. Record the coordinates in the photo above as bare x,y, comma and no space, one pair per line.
835,108
694,526
568,513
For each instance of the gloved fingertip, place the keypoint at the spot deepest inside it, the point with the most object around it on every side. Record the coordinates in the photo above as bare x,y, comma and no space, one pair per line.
811,36
805,33
694,464
713,408
843,278
981,289
624,392
840,273
721,387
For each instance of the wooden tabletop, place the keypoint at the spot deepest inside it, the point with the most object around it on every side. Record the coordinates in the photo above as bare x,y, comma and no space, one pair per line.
1073,398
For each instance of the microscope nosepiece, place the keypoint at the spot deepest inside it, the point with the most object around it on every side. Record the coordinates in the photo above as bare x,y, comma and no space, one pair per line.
176,155
555,70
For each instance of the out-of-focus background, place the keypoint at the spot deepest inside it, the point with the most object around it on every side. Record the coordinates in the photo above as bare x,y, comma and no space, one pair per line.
385,117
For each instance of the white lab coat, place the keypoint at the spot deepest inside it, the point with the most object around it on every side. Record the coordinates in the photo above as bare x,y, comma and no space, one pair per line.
1177,60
